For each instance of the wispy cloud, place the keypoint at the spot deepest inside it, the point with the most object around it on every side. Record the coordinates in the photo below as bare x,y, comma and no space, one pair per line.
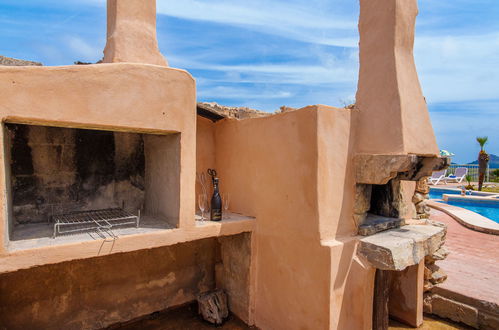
83,48
298,20
459,68
268,53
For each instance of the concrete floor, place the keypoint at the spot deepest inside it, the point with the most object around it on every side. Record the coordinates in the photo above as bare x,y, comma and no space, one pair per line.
186,318
430,323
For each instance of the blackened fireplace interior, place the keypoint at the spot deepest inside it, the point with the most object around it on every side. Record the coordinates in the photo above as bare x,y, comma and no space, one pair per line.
56,174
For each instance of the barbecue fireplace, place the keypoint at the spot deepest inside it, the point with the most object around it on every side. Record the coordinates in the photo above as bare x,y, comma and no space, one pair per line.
83,180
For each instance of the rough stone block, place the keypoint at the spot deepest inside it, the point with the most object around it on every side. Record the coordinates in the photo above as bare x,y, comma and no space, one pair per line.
438,276
375,223
487,321
455,311
358,219
233,273
440,254
399,248
418,197
421,208
379,169
427,286
362,198
427,297
422,186
213,306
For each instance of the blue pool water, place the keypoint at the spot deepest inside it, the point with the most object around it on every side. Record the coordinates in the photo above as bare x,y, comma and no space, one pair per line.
488,210
436,193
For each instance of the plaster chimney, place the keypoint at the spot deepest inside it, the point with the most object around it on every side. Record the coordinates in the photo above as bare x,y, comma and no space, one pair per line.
393,117
131,33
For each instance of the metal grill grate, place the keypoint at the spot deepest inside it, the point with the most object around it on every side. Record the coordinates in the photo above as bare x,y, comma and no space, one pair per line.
93,221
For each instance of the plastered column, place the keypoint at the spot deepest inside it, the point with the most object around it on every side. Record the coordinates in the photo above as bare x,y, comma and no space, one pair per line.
406,295
393,116
131,32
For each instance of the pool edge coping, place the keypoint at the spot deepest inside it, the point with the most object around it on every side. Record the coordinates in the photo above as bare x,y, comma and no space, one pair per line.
467,218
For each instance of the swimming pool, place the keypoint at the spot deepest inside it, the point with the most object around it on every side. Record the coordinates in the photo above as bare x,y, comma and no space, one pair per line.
487,209
484,207
436,193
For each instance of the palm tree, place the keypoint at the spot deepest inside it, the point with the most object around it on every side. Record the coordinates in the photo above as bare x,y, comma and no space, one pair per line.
483,160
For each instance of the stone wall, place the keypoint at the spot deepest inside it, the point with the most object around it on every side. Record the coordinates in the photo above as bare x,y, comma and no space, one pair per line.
57,170
94,293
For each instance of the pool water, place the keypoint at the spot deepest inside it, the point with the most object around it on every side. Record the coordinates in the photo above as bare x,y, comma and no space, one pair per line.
488,210
436,193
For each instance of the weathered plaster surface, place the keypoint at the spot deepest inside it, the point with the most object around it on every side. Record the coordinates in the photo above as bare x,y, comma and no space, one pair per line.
303,201
393,116
96,292
131,33
294,171
121,97
234,274
406,301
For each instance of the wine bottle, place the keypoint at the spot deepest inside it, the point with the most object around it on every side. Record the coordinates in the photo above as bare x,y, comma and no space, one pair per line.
216,203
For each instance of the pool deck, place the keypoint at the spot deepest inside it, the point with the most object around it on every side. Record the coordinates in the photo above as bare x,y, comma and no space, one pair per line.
473,263
467,218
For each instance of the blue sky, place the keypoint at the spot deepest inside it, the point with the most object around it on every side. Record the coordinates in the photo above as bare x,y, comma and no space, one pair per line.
268,53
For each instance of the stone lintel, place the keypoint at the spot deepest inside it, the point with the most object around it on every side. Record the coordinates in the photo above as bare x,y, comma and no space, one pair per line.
379,169
399,248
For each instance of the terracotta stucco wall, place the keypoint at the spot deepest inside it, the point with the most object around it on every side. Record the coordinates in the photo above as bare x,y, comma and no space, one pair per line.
121,97
292,172
94,293
205,152
393,114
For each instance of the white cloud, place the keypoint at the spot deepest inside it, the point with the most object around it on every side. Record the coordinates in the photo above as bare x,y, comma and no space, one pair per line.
458,68
242,93
297,20
82,48
290,73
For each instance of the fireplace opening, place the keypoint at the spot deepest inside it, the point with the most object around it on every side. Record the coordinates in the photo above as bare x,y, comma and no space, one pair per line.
64,180
385,199
379,207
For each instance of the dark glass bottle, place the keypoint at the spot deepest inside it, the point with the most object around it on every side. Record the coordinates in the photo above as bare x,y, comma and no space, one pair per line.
216,203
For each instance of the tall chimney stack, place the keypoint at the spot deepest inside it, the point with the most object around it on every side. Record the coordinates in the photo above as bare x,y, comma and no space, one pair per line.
131,32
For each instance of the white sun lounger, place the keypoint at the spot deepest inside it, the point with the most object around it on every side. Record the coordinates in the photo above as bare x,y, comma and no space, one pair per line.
458,176
436,177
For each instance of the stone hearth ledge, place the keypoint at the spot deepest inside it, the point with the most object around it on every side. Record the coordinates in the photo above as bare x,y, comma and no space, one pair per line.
399,248
15,260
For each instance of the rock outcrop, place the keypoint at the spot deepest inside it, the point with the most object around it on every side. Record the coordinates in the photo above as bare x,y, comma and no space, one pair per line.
9,61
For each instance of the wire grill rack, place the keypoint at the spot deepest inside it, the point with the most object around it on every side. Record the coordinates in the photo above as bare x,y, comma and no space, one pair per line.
94,221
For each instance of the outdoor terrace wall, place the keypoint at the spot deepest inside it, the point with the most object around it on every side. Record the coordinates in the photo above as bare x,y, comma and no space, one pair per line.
97,292
291,171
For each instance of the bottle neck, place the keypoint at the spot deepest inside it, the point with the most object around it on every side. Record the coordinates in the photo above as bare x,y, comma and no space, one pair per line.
215,186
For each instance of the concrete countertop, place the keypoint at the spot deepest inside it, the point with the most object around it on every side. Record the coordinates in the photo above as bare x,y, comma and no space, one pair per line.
28,253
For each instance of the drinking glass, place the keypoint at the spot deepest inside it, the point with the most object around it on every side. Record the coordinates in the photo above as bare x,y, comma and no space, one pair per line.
225,203
202,203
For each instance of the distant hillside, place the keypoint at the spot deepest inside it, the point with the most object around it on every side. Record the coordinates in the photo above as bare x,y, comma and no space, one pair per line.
494,161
